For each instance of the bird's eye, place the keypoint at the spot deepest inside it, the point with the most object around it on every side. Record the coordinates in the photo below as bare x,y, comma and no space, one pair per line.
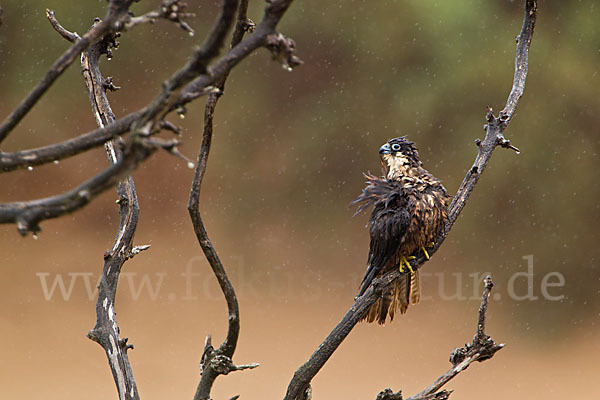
395,147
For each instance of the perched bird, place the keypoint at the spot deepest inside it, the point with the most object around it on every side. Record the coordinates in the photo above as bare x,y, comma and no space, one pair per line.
409,209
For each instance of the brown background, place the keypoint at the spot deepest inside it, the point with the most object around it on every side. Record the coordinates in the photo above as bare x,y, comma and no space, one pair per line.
288,155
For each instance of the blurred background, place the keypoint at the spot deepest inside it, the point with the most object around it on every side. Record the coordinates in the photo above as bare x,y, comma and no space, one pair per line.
288,156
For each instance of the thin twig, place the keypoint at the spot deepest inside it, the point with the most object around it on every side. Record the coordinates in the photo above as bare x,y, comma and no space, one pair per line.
70,36
171,10
494,137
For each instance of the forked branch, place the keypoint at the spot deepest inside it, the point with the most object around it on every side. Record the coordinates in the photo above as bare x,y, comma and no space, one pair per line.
112,23
494,137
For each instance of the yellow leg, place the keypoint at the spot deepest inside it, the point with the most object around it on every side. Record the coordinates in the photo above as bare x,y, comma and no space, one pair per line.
404,263
431,244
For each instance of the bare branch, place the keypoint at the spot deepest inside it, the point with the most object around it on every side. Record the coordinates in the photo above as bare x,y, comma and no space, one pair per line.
28,214
70,147
494,137
210,372
117,9
106,332
480,349
171,10
169,99
259,38
70,36
216,362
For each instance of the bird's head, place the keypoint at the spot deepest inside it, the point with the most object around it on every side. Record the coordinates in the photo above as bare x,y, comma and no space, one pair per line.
398,155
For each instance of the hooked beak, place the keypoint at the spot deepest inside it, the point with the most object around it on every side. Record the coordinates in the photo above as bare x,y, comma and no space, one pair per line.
385,149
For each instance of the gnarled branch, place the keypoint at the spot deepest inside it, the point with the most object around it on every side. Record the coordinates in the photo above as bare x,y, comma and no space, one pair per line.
494,137
106,331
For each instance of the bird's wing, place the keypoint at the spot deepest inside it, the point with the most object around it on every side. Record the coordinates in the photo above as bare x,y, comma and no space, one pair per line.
387,224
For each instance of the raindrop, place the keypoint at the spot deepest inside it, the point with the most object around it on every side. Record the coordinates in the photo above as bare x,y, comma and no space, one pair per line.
55,162
190,165
30,168
35,236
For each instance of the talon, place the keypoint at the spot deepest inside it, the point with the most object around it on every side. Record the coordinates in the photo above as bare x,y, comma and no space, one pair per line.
425,252
408,264
401,266
404,264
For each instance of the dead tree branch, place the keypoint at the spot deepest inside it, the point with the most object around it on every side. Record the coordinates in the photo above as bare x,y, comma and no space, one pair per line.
480,349
106,332
273,13
148,120
28,214
494,137
172,97
170,10
216,362
112,23
68,148
124,157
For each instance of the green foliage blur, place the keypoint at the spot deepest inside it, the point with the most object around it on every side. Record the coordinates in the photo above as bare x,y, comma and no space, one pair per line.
290,148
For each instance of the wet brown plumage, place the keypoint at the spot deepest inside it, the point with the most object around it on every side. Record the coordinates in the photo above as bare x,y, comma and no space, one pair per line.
409,209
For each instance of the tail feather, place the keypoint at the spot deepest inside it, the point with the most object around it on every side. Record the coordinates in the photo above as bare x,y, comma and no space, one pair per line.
406,291
415,288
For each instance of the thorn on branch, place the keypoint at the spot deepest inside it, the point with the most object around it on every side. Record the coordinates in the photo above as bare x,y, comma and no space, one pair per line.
222,365
175,151
166,125
122,201
207,353
505,143
108,84
137,250
478,141
219,363
124,345
283,50
489,116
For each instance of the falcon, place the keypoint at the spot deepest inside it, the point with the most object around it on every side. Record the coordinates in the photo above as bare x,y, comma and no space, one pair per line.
409,210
